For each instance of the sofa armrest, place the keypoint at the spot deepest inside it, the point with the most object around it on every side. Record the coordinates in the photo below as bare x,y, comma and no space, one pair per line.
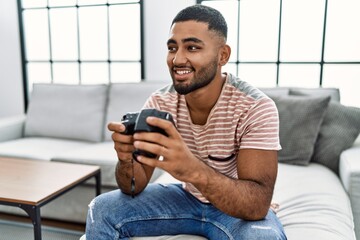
12,127
349,170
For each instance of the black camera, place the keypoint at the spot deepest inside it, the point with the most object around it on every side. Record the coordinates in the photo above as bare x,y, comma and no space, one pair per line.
136,122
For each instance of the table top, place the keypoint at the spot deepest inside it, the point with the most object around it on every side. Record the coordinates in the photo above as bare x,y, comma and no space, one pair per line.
32,182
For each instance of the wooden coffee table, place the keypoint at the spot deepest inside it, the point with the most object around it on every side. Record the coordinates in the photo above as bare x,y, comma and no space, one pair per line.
30,184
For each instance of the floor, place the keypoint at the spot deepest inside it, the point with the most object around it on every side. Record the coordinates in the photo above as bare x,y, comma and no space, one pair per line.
46,222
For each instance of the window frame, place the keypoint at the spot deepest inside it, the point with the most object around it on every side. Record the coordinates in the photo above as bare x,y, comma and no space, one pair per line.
25,61
279,62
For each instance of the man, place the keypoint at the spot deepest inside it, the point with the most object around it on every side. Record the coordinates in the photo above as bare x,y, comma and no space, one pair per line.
223,148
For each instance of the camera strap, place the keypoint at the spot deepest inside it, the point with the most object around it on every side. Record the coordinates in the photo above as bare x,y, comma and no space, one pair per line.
132,179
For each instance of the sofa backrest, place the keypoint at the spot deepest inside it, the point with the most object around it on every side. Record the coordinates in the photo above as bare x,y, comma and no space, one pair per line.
67,111
127,97
334,93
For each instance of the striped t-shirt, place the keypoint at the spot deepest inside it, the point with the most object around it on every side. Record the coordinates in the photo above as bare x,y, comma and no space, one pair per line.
243,117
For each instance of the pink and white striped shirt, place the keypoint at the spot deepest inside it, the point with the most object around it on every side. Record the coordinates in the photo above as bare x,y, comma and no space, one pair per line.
243,117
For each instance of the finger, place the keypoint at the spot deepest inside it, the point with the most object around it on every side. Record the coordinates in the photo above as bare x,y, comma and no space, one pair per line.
116,127
166,125
124,156
121,147
124,151
152,137
154,148
122,138
152,162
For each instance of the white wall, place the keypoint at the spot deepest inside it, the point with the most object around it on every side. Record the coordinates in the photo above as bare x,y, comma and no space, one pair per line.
158,15
11,86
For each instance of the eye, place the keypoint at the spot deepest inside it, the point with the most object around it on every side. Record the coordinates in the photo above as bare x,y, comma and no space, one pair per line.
193,48
171,49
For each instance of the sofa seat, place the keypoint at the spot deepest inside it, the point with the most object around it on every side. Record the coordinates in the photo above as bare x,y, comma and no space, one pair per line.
40,148
314,196
100,154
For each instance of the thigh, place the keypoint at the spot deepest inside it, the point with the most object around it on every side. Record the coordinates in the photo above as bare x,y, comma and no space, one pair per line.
222,226
158,210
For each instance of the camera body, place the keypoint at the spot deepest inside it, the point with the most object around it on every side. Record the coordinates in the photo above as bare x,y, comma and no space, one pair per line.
136,122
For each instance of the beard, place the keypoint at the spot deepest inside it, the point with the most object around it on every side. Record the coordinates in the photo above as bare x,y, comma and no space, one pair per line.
202,78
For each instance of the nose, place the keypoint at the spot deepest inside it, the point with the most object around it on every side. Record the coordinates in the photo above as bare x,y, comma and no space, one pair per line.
179,58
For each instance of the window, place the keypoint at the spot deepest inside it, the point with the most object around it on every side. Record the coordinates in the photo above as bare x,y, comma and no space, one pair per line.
300,43
81,41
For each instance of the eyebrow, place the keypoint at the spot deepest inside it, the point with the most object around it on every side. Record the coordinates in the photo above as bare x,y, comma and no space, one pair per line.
190,39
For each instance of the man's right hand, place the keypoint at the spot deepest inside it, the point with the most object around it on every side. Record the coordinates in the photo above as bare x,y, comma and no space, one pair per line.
123,144
126,169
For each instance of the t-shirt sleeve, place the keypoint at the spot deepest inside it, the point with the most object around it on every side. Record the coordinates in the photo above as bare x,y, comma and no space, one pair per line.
261,126
151,103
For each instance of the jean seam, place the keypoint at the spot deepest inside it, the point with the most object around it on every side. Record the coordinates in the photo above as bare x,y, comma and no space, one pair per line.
219,226
162,217
203,220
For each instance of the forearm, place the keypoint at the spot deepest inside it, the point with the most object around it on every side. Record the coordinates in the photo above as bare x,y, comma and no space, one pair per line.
246,199
124,173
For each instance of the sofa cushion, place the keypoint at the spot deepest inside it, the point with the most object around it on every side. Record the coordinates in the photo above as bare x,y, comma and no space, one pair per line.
38,148
127,97
300,119
276,91
340,128
67,111
313,203
100,154
334,93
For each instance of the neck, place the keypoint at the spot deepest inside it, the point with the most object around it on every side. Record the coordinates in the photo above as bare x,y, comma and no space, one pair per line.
201,101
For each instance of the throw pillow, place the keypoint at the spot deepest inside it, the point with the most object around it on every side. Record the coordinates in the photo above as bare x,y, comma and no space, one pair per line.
334,93
300,119
339,130
67,111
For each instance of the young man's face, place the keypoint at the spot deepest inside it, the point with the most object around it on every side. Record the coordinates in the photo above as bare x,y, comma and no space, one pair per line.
193,55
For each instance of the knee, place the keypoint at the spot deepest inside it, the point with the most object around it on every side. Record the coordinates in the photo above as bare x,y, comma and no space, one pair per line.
101,204
262,232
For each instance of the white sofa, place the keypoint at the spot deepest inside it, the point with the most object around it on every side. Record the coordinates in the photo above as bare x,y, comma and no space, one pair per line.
319,196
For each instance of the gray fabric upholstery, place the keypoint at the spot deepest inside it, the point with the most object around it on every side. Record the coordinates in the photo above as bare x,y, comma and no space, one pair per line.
334,93
313,196
278,91
39,148
300,120
349,171
100,154
340,128
135,95
67,111
12,127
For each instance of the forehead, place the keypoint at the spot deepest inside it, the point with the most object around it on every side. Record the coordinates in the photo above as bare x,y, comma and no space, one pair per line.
190,29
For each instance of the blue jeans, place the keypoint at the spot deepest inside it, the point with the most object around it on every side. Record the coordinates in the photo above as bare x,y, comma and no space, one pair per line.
170,210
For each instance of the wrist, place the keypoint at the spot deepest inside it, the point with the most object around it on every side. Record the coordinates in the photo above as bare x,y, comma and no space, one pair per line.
125,161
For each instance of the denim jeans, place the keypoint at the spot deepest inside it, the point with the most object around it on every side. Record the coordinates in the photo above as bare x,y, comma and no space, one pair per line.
170,210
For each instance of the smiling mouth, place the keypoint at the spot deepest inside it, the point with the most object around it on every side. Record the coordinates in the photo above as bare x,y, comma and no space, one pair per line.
182,71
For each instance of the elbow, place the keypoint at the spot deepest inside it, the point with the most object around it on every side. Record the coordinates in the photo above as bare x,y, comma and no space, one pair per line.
255,212
255,215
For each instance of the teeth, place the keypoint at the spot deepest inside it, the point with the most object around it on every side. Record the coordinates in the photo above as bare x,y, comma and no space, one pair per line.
183,72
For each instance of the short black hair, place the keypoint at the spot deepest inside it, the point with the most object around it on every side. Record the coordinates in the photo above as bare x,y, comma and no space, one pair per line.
205,14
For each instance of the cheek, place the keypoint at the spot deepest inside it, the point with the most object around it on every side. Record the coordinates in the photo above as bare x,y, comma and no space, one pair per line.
169,60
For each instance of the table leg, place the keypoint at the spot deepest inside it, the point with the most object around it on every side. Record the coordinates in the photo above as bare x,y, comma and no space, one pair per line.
98,183
34,214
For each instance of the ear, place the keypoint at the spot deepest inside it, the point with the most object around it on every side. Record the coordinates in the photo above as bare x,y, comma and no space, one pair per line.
225,52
